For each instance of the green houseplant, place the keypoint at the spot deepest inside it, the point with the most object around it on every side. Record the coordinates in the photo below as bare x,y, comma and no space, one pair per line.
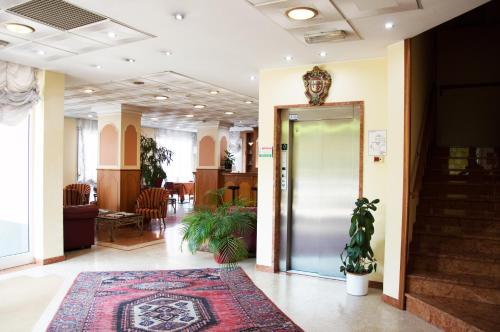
222,230
152,158
358,260
228,160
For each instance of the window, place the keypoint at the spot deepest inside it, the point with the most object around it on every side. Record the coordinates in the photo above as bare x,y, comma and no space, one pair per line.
87,151
183,146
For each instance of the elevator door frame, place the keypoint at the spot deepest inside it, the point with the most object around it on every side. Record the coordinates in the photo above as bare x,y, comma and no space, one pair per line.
278,245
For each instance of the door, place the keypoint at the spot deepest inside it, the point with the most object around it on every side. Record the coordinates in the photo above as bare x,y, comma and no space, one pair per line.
324,185
15,246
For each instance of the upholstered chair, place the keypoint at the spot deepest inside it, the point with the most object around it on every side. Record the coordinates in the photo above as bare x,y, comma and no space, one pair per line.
152,204
83,188
73,197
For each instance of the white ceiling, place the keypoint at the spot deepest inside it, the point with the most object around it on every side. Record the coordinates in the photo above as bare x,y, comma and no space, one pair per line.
224,42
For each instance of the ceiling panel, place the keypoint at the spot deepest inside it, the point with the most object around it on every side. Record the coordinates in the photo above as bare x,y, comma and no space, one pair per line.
182,92
72,43
367,8
111,33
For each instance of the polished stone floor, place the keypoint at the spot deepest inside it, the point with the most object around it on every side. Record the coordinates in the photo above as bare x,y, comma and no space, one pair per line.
30,297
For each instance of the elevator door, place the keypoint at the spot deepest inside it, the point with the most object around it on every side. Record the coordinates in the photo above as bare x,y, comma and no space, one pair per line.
325,171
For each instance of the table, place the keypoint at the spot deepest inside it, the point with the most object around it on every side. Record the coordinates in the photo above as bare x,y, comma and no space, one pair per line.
118,219
184,188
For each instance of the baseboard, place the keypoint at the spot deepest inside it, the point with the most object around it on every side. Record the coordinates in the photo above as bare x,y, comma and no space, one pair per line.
52,260
392,301
376,284
264,268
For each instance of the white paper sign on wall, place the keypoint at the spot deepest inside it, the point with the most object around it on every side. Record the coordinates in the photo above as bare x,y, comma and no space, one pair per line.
377,142
265,152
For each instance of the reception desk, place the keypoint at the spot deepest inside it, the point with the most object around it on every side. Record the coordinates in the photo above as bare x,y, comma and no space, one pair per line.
208,180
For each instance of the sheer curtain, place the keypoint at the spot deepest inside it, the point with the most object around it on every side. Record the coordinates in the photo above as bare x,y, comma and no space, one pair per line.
18,92
183,146
87,151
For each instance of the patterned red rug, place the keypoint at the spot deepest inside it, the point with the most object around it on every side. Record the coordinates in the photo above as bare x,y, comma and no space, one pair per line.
177,300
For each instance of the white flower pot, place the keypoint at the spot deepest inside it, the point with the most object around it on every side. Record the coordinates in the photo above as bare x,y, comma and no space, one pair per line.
357,284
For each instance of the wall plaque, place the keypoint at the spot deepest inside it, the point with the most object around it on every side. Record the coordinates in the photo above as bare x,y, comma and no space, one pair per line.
317,83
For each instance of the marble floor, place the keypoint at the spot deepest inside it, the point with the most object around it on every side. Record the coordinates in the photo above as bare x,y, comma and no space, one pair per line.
30,297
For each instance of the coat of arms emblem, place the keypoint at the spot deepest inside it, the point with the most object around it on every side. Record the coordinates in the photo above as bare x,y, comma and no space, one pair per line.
317,83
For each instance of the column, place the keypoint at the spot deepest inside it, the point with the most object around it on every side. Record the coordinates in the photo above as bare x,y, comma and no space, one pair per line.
118,172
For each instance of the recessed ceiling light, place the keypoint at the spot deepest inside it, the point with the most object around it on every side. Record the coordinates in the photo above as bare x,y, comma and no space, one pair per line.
229,113
130,60
302,13
97,66
214,92
289,58
88,90
111,34
90,116
4,43
189,115
179,16
177,127
154,119
389,25
248,102
138,82
40,52
19,28
199,106
253,78
168,53
161,97
323,54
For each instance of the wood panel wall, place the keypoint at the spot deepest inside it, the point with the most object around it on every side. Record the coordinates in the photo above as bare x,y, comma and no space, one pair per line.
118,190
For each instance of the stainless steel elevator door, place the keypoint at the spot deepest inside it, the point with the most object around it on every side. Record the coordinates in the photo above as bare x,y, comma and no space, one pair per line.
325,177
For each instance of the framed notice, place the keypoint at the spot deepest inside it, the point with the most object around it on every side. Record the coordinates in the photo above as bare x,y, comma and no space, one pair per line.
377,142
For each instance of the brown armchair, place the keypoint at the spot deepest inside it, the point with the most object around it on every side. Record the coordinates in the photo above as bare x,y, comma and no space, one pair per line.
73,197
83,188
79,229
152,204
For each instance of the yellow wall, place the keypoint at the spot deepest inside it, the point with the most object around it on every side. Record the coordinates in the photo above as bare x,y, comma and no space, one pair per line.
48,135
364,80
70,151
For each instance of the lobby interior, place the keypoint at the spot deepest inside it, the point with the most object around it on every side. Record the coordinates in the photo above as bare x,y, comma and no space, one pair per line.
295,108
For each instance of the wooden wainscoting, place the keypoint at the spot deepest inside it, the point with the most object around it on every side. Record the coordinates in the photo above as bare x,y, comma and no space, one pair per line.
118,189
207,180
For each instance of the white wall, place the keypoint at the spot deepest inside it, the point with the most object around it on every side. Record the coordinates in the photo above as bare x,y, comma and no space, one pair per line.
48,136
70,151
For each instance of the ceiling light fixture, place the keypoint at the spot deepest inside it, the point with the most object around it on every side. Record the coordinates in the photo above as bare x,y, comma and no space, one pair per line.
4,43
90,116
389,25
97,66
88,90
248,102
289,58
302,13
40,52
214,92
189,115
154,119
130,60
168,53
199,106
19,28
111,34
138,82
229,113
323,54
253,78
179,16
161,97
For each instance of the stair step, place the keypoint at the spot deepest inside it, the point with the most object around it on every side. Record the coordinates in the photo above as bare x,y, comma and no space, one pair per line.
454,315
427,210
421,262
451,244
458,225
459,203
456,232
457,286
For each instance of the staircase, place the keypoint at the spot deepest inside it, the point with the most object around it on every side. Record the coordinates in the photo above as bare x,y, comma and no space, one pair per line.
454,265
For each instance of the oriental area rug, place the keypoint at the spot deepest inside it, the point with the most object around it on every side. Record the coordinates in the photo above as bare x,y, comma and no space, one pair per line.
177,300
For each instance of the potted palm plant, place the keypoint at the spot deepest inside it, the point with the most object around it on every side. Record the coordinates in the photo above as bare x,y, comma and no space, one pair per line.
222,230
152,158
358,260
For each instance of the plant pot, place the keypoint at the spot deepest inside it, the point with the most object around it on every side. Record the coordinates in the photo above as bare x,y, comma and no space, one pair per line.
357,284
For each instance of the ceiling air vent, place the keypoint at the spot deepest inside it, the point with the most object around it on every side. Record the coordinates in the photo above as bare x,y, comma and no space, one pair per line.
324,37
56,13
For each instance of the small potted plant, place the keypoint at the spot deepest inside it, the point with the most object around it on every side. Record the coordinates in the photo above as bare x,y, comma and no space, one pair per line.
223,230
357,258
228,161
